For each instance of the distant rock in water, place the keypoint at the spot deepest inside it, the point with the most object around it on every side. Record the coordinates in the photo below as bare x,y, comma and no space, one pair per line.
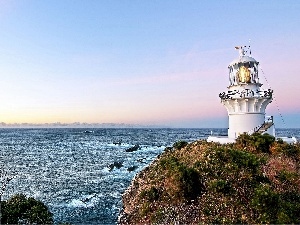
117,165
88,132
132,168
88,198
133,149
117,142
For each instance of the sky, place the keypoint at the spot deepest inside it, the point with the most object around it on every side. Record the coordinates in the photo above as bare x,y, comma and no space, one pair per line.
145,62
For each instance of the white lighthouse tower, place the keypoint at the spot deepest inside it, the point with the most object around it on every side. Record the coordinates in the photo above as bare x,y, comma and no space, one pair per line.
245,100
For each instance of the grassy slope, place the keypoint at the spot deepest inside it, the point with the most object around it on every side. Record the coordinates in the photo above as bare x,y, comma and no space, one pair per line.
256,180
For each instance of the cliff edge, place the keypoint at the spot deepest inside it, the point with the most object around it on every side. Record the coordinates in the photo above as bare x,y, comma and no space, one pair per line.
255,180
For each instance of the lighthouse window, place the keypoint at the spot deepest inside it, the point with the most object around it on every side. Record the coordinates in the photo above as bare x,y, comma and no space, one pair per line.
247,65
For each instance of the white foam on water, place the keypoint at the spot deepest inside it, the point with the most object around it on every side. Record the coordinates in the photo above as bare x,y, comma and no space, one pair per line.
86,201
115,194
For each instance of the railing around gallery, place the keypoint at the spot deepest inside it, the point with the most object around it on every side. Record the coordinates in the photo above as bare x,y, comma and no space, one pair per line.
246,93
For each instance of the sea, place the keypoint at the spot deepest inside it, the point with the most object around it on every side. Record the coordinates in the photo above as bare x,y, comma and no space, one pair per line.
80,174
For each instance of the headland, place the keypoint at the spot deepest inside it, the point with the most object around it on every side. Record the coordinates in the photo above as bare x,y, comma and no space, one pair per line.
254,180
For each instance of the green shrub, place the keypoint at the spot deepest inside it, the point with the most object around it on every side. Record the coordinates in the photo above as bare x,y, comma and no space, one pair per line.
187,180
263,142
273,207
145,209
289,208
169,163
223,160
190,183
286,176
245,160
221,186
256,142
19,208
266,203
291,150
151,195
180,144
157,217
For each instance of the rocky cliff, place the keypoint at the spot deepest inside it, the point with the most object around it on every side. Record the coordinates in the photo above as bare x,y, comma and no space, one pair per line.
255,180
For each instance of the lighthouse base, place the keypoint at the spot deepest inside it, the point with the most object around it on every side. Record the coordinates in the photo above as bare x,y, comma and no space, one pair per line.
227,140
221,140
240,123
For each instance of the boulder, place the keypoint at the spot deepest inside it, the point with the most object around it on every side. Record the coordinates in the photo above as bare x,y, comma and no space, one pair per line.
133,149
117,165
132,168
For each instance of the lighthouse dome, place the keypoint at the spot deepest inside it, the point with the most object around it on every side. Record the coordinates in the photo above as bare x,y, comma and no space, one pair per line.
244,69
243,59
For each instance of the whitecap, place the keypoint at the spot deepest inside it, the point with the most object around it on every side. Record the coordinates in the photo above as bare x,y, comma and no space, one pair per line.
86,201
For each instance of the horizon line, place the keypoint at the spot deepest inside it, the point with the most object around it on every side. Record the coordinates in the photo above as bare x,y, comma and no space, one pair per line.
102,125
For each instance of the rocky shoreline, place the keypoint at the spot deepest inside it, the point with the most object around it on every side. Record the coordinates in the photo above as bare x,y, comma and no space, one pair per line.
130,193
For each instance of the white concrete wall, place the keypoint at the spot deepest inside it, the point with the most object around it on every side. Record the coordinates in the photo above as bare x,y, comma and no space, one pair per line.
244,122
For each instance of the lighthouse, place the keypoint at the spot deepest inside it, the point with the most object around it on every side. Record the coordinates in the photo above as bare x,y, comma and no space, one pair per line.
245,100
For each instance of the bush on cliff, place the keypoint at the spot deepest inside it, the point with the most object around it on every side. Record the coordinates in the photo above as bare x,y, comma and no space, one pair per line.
180,144
186,180
22,210
255,180
256,142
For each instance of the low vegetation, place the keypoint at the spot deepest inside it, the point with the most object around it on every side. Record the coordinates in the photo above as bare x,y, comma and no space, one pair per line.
22,210
255,180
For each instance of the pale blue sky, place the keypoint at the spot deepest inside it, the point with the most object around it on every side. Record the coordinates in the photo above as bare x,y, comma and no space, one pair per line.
142,62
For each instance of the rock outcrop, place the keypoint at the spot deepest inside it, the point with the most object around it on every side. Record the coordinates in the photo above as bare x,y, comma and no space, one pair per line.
117,165
256,180
133,149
